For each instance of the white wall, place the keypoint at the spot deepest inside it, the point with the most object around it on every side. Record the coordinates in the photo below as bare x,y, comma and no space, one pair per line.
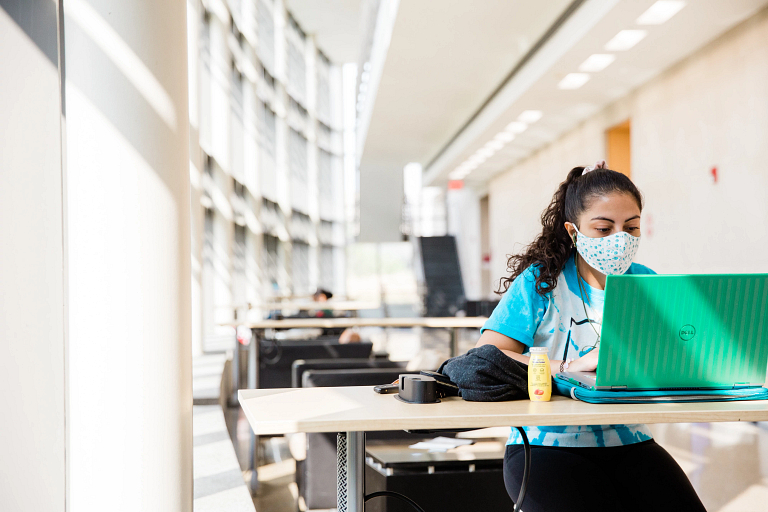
709,110
32,451
128,250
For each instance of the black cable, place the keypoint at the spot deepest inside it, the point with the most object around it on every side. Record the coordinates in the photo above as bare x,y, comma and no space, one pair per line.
526,470
397,495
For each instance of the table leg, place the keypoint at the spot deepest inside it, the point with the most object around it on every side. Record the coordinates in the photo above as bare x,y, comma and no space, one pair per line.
350,470
253,359
455,332
232,400
253,379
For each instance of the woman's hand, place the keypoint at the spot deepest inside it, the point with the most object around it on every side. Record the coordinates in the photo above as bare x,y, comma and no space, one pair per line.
586,363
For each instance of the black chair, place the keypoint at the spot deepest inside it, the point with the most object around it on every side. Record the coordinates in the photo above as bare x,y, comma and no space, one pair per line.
276,357
480,307
300,366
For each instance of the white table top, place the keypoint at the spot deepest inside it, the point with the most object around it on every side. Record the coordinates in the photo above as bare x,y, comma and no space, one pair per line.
330,323
282,411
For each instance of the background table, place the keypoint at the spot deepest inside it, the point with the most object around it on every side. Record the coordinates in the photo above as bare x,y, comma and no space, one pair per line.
353,410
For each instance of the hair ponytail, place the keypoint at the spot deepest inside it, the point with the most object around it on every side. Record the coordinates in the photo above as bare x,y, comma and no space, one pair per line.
551,249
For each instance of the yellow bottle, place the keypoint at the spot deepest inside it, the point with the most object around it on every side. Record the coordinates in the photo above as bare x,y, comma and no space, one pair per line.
539,379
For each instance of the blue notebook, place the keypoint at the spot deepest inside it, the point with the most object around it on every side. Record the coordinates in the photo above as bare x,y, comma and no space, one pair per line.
565,388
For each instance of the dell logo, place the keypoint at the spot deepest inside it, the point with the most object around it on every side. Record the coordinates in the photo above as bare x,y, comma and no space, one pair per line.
687,332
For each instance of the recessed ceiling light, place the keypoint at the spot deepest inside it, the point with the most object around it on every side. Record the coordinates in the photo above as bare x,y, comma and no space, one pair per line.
457,175
516,127
625,40
573,80
470,166
504,137
660,12
530,116
477,159
494,144
597,62
486,152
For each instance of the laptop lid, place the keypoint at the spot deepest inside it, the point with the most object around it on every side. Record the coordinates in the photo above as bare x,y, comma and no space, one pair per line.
684,331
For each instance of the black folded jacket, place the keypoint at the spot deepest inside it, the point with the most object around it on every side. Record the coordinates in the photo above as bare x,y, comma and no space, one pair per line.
486,374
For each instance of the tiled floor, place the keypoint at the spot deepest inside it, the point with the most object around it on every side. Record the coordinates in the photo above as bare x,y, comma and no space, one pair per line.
726,462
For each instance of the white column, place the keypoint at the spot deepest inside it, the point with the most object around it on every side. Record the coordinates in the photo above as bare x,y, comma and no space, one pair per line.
128,248
32,422
463,208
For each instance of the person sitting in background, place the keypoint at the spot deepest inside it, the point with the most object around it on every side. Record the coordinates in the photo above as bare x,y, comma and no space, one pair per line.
345,335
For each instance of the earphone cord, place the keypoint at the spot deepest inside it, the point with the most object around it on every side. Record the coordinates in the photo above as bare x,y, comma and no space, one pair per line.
581,295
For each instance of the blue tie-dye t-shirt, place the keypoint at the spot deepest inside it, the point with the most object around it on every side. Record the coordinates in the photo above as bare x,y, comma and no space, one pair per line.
554,321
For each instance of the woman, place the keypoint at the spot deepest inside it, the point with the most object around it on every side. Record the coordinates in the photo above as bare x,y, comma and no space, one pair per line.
554,298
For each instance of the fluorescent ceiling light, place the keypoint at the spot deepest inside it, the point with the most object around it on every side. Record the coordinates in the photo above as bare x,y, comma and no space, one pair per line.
597,62
504,137
457,175
470,166
660,12
625,40
516,127
477,159
573,80
494,145
530,116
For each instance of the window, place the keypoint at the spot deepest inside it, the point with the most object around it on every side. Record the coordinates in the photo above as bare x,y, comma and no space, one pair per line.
266,33
300,267
272,263
267,129
326,277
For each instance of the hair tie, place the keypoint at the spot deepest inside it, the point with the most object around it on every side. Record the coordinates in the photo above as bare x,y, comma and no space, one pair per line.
600,164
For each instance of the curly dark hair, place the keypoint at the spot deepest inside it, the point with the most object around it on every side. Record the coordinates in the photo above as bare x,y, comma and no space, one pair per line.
551,249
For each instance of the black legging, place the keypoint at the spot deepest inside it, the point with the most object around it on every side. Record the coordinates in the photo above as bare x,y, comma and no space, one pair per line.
636,477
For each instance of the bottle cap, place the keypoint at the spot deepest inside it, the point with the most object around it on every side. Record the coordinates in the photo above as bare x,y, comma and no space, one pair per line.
539,350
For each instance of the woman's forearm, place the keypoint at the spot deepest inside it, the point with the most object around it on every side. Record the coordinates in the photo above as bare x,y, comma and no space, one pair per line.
554,365
516,356
511,347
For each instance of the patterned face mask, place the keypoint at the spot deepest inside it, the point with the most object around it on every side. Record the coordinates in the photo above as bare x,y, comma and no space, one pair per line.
610,255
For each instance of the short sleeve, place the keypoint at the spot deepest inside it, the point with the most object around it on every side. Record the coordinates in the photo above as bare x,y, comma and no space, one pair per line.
637,268
520,310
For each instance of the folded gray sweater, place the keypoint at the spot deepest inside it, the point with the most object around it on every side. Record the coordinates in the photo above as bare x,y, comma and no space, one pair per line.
486,374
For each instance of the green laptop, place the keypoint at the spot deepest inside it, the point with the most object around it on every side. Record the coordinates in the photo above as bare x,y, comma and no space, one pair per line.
678,332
